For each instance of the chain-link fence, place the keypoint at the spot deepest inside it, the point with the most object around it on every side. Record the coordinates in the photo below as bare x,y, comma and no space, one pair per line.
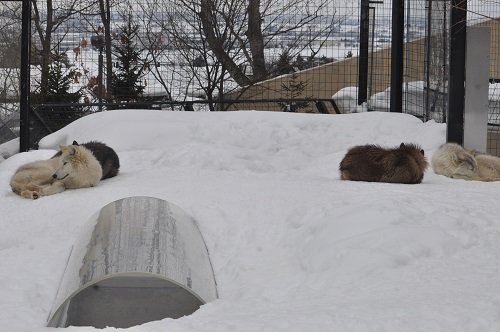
10,62
329,56
295,55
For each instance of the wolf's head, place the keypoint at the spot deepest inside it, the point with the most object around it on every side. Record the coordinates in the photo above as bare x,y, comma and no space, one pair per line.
467,160
69,153
417,153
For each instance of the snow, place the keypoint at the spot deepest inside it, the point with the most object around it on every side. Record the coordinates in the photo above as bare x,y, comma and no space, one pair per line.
293,247
8,149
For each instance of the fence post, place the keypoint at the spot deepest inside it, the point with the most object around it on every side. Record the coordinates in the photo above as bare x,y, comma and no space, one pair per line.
456,92
364,32
397,47
24,79
476,88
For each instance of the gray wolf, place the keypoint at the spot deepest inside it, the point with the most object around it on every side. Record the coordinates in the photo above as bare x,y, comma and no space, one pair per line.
454,161
372,163
75,167
106,156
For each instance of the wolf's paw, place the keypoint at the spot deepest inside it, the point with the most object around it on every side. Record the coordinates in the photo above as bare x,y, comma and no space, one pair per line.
30,194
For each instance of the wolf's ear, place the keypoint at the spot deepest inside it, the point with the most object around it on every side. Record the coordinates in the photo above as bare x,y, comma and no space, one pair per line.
72,150
402,145
75,143
471,162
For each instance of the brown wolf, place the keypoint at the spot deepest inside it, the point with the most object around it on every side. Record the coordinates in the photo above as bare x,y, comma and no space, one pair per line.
75,167
372,163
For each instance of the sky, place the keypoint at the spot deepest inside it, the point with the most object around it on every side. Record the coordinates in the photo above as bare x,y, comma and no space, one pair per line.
293,247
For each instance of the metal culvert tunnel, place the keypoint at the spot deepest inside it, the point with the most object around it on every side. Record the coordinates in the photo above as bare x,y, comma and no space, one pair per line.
139,259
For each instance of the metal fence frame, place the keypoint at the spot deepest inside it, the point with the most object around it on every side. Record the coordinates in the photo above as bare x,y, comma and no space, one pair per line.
454,117
25,79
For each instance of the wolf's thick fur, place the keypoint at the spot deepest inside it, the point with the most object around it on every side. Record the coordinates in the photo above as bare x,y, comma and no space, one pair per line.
453,161
106,156
75,167
372,163
32,176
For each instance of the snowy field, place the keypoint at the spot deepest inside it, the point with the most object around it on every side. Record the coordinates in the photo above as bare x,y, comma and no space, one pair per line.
293,247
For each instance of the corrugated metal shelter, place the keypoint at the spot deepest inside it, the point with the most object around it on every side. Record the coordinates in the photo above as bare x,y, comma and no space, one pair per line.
139,259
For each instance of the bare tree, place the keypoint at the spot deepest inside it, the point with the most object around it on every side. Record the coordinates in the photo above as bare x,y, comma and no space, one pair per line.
10,60
155,44
253,28
10,36
225,44
221,28
179,52
48,17
105,14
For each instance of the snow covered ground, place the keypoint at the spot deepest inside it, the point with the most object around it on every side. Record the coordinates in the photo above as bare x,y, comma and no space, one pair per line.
293,247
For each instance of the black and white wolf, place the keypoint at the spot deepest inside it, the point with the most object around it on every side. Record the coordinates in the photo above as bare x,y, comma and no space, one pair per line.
106,156
72,167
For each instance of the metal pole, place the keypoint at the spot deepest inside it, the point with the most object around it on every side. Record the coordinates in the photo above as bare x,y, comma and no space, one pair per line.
407,54
397,47
456,92
372,53
477,65
364,31
427,74
24,103
99,79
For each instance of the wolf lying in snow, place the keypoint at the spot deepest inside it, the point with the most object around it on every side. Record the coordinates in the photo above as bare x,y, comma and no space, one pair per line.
453,161
106,156
404,164
73,167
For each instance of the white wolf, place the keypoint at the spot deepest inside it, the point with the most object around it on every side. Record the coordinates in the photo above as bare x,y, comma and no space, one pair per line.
453,161
74,167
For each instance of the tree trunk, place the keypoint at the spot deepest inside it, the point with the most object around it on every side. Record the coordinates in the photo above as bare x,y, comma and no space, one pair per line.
217,45
105,12
46,52
256,40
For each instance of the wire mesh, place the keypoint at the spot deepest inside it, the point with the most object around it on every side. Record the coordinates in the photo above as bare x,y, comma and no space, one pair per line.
487,14
200,55
10,49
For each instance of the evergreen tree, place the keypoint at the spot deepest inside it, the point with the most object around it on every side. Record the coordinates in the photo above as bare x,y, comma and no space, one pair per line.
63,105
282,65
300,63
57,89
294,89
126,83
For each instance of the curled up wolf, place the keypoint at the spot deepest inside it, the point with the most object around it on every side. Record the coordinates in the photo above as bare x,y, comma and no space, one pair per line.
454,161
106,156
372,163
72,167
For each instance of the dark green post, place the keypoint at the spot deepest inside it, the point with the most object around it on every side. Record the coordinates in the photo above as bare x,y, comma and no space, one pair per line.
397,49
456,84
24,80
